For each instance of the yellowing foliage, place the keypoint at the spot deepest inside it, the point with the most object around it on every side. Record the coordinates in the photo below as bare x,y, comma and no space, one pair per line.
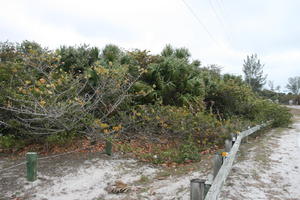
27,82
42,103
42,80
100,70
37,90
117,128
101,124
106,131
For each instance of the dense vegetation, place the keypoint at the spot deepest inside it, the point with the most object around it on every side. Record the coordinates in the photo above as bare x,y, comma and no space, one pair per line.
280,97
56,96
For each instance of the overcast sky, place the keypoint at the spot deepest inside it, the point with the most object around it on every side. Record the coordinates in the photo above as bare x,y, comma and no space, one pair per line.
226,32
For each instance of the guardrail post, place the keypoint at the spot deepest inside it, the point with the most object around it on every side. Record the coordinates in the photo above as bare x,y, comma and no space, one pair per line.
217,163
222,170
246,140
197,189
207,184
31,164
233,138
228,145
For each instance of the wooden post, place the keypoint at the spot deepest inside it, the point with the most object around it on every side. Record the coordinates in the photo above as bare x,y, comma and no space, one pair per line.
223,173
228,145
246,139
108,147
217,163
31,164
197,189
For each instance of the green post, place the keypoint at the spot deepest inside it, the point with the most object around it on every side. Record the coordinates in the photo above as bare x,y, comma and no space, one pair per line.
31,164
108,147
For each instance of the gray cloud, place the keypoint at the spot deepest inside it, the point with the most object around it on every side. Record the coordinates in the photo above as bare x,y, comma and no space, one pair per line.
268,28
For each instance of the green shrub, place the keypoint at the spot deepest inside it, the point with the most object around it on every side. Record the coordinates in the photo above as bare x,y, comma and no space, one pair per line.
77,59
173,80
53,95
265,110
61,138
7,141
111,53
170,121
38,98
229,98
186,150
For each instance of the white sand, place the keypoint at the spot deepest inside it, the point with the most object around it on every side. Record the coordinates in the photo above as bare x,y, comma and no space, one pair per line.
279,178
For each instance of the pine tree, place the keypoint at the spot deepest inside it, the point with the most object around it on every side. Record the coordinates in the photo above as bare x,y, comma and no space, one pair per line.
294,85
253,70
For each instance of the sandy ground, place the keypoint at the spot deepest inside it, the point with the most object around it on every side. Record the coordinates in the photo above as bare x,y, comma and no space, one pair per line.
85,177
268,167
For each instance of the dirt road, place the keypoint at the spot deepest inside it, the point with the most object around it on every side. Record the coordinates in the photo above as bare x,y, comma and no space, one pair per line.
268,167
